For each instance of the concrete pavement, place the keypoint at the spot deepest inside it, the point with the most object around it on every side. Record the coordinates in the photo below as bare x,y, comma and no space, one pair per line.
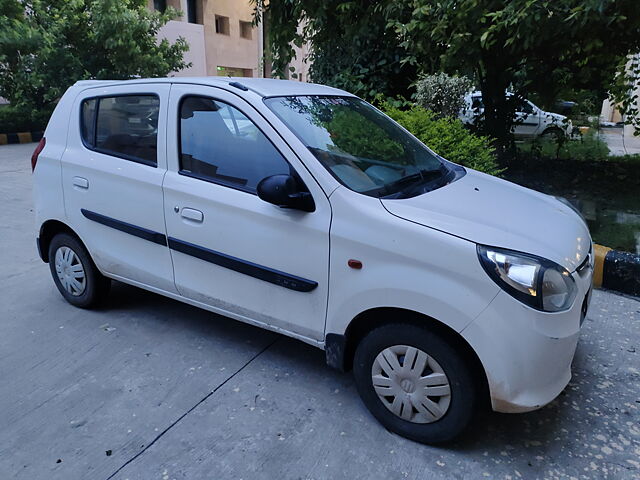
619,141
149,388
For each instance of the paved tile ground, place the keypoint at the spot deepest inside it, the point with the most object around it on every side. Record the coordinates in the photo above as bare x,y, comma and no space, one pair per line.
149,388
618,143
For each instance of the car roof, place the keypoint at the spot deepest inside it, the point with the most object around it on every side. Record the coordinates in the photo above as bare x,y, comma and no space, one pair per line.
265,87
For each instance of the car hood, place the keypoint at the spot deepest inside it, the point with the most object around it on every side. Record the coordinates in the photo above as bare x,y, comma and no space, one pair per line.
555,116
494,212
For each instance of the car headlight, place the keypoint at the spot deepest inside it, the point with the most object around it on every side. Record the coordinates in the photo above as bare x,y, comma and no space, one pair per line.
535,281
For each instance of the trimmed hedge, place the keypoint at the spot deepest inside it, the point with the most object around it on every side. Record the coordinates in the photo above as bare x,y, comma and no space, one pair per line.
448,137
14,120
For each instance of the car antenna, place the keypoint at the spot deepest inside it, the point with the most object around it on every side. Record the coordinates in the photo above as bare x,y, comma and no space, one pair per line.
239,85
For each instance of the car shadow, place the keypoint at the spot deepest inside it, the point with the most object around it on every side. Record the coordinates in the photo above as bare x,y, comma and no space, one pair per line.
489,432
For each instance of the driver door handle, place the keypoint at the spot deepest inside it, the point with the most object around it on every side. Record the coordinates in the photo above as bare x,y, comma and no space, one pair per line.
192,214
80,182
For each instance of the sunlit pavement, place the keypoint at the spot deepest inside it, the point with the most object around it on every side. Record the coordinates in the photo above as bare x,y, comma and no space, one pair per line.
151,388
619,142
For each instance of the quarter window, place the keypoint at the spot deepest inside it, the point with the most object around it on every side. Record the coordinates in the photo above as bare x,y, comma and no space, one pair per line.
88,121
219,143
126,126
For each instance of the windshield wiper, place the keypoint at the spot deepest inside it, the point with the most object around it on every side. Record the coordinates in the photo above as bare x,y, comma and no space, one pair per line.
405,184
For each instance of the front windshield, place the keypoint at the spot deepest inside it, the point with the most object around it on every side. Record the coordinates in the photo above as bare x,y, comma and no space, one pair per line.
360,146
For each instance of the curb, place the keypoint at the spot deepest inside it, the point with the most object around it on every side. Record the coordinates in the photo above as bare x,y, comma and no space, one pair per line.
618,271
21,137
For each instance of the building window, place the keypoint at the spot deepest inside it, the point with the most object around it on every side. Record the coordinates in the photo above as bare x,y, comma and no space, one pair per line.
233,71
222,25
192,11
246,29
160,5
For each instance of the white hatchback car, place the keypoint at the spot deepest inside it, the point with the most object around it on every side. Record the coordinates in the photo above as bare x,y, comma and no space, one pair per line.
304,210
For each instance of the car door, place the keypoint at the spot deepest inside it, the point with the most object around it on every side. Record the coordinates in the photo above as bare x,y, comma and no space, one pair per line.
527,120
232,251
112,171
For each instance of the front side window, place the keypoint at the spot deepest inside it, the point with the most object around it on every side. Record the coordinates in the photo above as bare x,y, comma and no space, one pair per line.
219,143
361,147
123,126
524,106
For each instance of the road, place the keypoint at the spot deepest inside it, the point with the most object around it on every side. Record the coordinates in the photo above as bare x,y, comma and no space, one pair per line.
149,388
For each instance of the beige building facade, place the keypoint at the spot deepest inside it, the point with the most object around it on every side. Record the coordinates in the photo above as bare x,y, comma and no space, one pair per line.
610,112
222,39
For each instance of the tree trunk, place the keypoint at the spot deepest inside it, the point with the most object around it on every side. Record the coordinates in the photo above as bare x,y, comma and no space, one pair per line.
498,111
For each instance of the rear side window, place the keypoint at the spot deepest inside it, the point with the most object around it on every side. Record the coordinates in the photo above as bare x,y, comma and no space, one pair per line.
218,143
123,126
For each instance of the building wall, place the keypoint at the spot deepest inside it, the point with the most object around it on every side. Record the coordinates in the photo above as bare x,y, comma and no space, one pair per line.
194,35
610,112
231,51
300,61
211,52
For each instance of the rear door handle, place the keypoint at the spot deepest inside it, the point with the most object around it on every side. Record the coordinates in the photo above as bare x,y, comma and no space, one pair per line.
192,214
81,182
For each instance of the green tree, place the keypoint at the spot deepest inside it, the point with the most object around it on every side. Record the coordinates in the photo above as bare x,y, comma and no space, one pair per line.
47,45
529,46
442,94
539,46
353,47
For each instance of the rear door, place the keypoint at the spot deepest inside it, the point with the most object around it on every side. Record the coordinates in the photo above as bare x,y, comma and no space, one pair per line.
112,171
231,250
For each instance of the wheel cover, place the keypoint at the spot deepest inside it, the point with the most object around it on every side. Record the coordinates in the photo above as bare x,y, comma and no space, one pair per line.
411,384
70,271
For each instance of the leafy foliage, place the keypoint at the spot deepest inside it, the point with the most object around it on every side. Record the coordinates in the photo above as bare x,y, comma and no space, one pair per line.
586,148
442,93
14,120
354,133
536,46
352,46
529,46
447,137
624,91
47,45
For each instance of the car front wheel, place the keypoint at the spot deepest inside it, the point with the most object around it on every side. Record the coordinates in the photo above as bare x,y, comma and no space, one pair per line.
415,383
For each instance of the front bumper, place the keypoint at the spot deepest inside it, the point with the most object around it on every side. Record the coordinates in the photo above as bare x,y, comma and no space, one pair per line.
527,354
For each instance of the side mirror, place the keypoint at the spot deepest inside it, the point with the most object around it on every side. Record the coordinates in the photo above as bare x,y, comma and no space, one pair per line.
284,191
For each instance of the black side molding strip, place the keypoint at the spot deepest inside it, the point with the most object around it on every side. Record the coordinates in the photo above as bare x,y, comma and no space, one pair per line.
260,272
125,227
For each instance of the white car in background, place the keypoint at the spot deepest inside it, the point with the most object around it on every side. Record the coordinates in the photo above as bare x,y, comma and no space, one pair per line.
442,288
530,120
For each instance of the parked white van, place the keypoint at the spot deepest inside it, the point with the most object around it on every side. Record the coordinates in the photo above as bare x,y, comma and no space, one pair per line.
304,210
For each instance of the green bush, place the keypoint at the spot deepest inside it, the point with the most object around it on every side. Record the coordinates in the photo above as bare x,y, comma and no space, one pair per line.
586,148
15,120
442,94
447,137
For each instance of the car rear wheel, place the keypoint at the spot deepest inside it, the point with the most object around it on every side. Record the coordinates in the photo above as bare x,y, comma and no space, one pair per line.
415,383
75,274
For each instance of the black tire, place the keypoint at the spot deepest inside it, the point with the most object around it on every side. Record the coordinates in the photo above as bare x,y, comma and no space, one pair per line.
554,134
464,390
96,286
